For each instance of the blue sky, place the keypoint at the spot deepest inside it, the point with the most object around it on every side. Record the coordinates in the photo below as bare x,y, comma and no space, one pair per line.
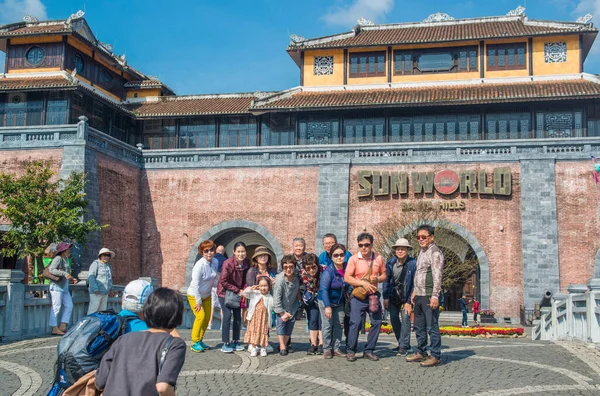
224,46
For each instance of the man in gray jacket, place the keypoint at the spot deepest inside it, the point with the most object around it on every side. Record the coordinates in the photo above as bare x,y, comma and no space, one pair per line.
286,301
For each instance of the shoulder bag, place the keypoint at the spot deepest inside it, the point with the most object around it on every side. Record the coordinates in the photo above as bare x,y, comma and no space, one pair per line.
360,292
232,300
48,275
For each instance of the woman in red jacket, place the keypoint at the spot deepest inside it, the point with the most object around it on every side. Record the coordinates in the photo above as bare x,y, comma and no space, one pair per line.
232,278
475,311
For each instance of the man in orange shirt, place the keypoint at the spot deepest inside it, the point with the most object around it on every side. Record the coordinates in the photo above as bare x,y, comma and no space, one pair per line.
356,271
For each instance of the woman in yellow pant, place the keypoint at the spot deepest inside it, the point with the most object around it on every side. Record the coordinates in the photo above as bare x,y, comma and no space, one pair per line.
199,293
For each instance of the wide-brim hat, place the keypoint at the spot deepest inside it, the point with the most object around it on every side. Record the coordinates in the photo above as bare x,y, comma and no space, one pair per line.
402,242
261,250
62,246
105,250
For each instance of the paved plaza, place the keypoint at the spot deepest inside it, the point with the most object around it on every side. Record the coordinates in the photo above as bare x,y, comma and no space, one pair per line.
501,366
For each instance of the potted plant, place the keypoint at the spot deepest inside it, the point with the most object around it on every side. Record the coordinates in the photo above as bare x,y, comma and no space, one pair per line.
487,316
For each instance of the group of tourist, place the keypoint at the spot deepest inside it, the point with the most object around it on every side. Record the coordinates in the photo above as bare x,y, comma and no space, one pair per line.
335,290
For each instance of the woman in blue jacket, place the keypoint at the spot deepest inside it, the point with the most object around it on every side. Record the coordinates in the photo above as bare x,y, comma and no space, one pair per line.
331,302
397,288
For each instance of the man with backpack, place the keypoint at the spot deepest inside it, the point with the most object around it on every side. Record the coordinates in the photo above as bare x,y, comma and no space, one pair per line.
82,347
400,271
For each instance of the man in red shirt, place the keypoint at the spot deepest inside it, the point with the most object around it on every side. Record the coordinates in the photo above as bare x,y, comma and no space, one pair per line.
356,273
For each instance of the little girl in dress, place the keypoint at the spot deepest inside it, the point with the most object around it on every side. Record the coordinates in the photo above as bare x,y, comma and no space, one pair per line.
260,307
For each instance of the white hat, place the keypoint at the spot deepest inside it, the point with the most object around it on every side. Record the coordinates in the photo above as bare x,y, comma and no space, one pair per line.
136,294
402,242
105,250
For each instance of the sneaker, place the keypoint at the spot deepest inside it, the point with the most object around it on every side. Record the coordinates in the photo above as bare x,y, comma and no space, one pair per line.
197,347
402,352
254,352
312,350
283,352
263,352
396,349
320,350
203,345
227,348
237,347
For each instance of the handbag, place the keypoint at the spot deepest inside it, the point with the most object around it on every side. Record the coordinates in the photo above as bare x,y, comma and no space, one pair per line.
48,275
232,300
360,292
308,298
374,303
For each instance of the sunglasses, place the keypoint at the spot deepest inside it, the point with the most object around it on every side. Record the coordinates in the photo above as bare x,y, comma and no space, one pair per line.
338,255
310,267
291,266
422,237
364,245
208,250
105,255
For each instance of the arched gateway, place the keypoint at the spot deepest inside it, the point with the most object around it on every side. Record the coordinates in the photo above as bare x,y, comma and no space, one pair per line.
228,233
460,243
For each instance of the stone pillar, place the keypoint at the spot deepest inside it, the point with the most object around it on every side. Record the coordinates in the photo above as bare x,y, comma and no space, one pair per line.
15,302
539,230
332,212
77,157
576,313
559,316
593,309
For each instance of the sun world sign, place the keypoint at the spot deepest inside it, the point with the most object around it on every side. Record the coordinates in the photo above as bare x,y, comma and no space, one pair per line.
446,182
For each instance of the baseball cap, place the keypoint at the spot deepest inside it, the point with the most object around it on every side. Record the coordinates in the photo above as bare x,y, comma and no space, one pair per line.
136,294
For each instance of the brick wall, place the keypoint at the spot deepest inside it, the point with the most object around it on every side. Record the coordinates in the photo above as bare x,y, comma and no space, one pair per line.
120,204
578,227
180,205
16,161
482,217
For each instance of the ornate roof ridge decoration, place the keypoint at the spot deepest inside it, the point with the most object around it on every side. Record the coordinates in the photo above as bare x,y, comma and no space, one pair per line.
262,95
585,19
295,39
520,10
364,22
106,46
156,99
78,15
29,19
438,17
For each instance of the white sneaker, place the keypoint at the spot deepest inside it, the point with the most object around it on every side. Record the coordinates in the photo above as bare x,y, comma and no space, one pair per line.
249,348
263,352
254,352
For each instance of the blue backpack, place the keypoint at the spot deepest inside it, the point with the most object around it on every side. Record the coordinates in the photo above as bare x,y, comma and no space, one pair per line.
81,349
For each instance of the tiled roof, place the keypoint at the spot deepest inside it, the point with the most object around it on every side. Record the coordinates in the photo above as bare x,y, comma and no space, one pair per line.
36,29
435,95
27,83
149,84
194,105
457,30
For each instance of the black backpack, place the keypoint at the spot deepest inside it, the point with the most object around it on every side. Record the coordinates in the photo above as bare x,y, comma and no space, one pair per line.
81,349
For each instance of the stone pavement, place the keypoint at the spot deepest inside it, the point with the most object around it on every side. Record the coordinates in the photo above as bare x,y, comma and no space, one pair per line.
501,366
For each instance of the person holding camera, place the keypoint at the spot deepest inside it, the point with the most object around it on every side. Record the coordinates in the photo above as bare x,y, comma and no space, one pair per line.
400,275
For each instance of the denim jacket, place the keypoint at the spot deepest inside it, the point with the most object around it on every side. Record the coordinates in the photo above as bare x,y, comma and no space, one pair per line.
390,283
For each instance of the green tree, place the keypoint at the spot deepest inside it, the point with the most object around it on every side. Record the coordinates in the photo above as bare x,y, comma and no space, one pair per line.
42,210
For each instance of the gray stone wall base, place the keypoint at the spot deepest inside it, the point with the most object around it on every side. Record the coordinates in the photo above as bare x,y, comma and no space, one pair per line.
332,211
539,230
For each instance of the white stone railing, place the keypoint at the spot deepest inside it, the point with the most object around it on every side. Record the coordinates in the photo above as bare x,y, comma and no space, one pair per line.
25,308
574,315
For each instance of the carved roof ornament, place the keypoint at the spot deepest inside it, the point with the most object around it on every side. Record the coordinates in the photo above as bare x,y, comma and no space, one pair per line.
108,47
295,39
364,22
28,18
520,10
122,59
585,19
78,15
261,95
438,17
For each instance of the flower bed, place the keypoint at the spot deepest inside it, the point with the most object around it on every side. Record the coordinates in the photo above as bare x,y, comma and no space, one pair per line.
483,330
385,328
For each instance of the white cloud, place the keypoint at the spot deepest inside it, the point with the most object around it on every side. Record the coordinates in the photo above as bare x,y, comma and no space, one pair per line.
350,11
585,6
14,10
